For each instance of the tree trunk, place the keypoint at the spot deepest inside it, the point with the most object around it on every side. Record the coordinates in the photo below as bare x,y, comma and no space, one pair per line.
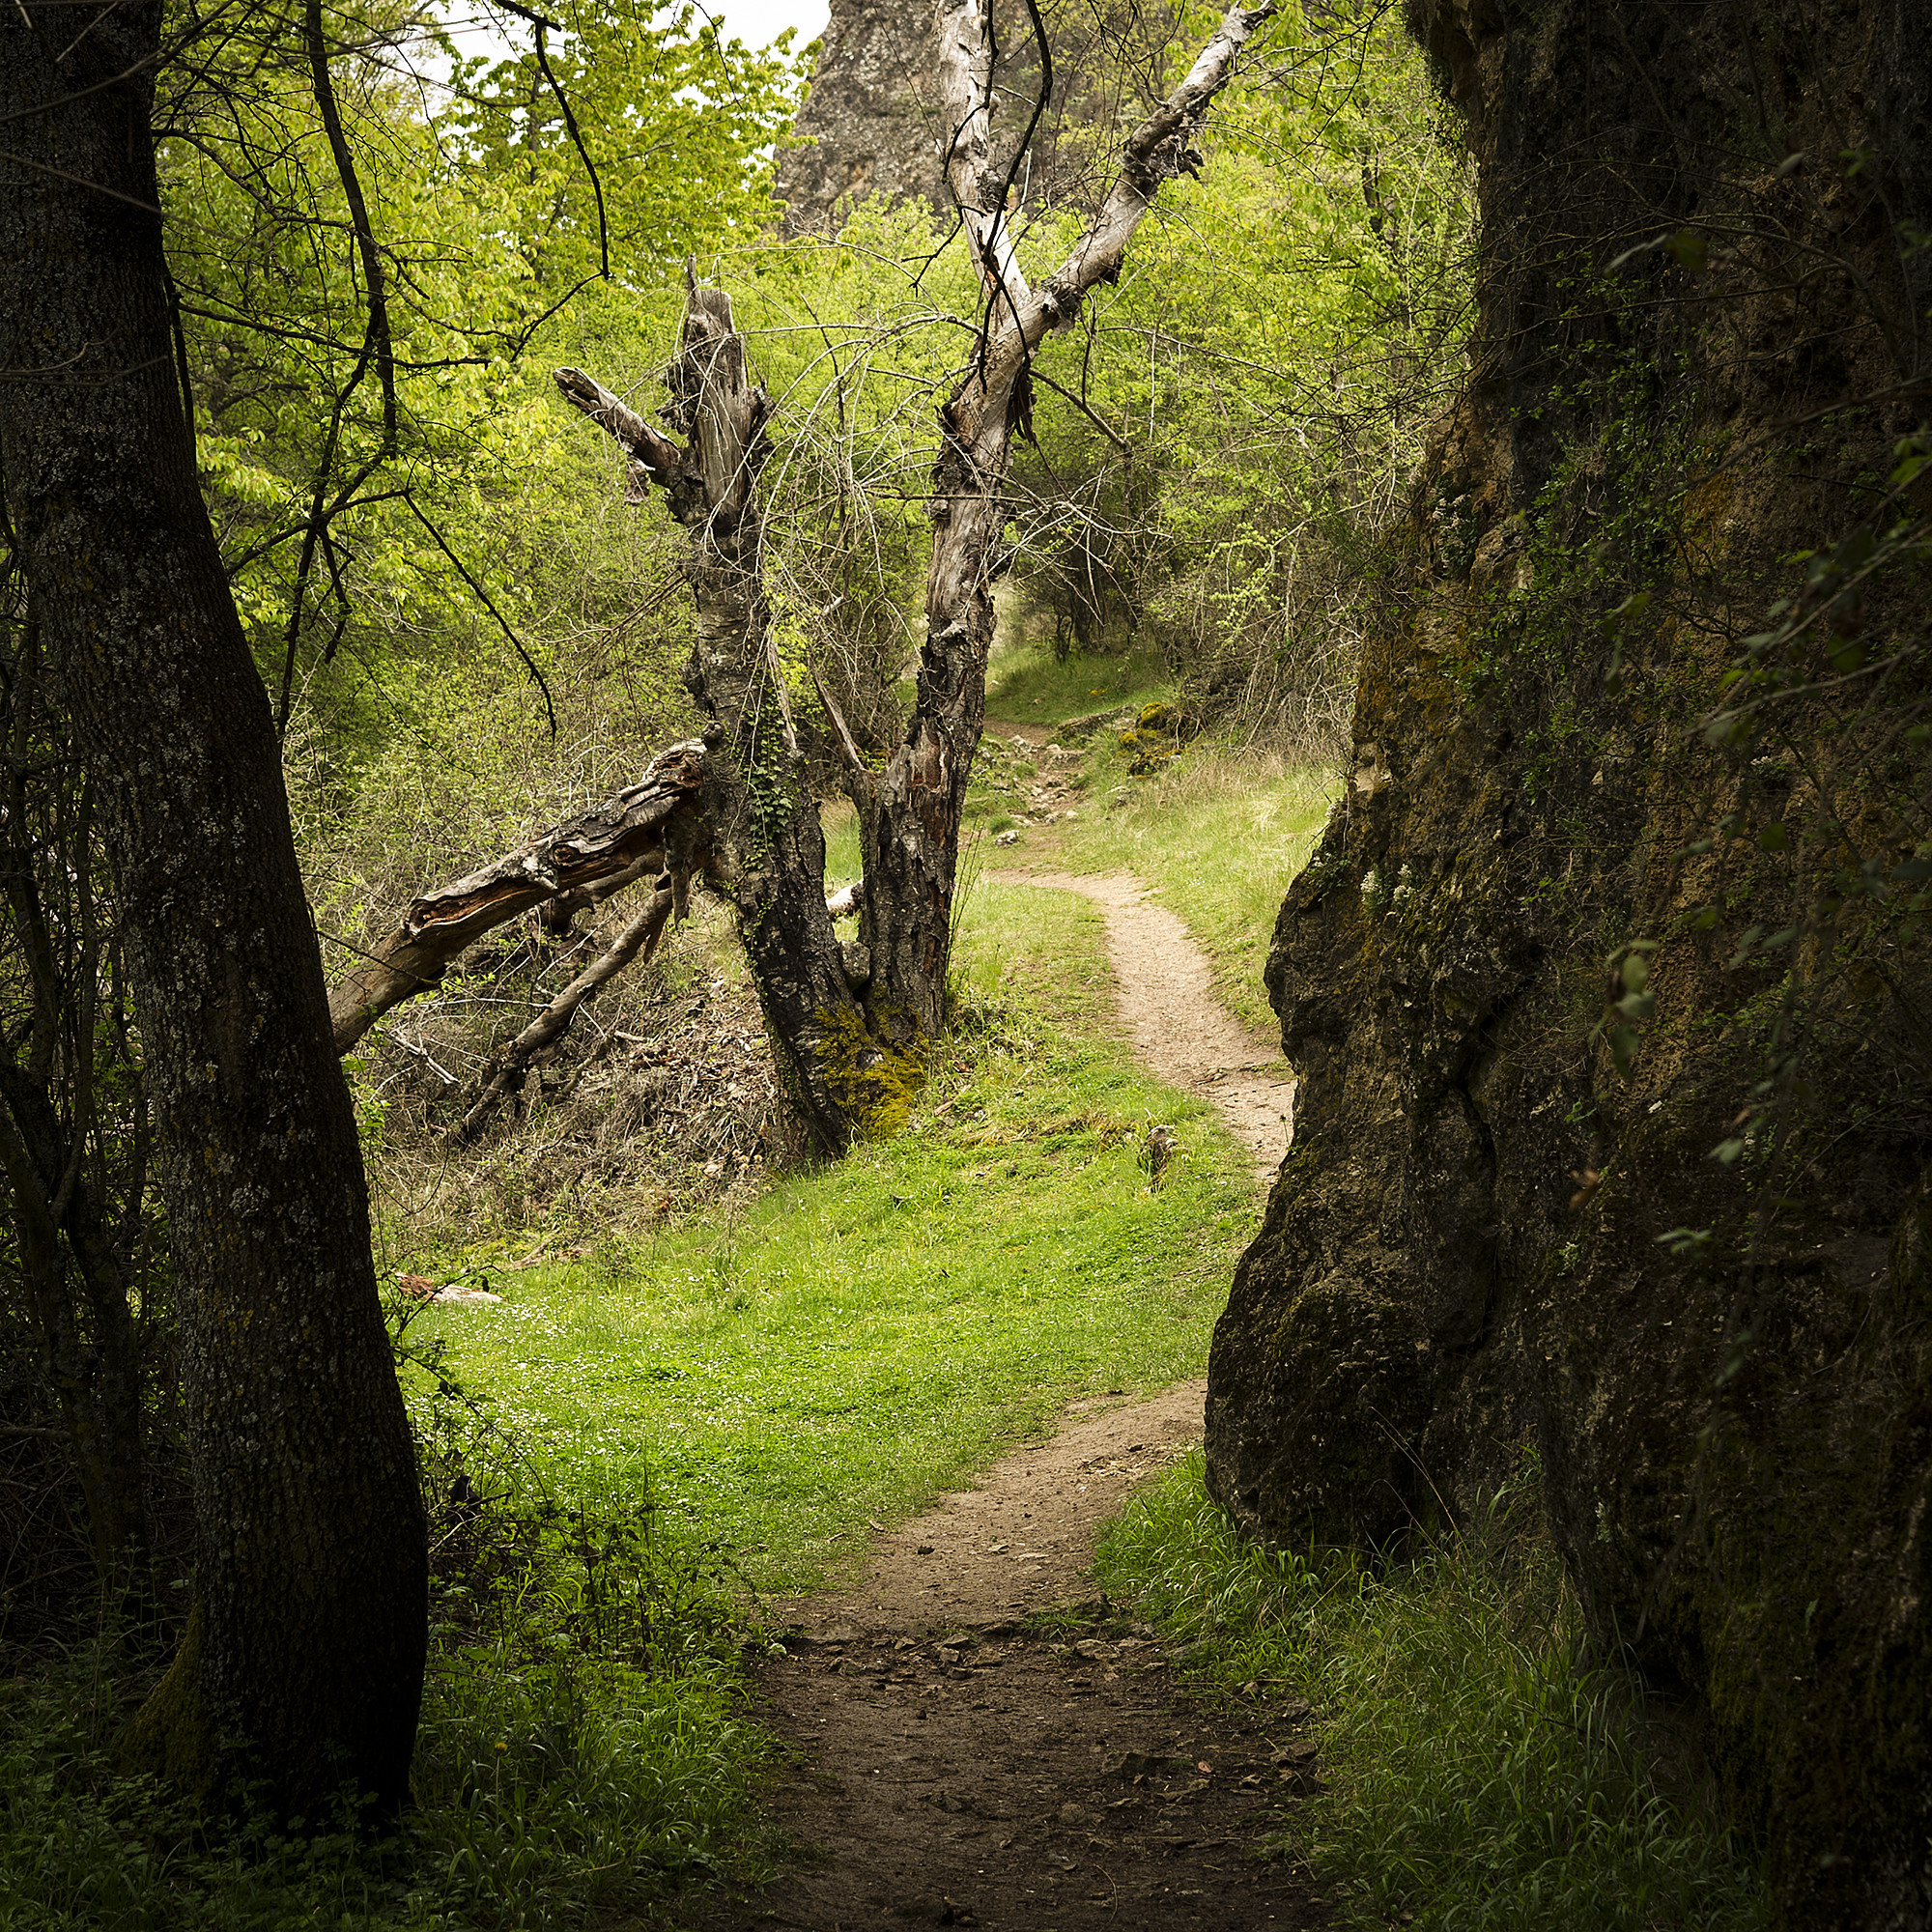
911,829
837,1078
849,1062
308,1639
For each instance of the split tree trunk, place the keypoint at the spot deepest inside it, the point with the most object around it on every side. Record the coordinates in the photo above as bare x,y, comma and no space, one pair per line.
849,1054
309,1632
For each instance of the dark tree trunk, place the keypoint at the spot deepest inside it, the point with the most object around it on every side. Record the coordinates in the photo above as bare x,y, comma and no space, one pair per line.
308,1639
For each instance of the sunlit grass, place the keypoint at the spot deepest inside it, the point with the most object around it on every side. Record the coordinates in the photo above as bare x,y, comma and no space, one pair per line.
868,1332
1026,683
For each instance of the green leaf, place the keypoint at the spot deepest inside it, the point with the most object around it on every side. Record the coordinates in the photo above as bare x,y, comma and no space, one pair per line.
1690,250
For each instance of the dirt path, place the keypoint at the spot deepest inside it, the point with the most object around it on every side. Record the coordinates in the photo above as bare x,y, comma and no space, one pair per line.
962,1765
1167,998
963,1768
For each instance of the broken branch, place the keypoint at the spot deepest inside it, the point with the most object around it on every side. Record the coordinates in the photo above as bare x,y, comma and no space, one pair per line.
660,820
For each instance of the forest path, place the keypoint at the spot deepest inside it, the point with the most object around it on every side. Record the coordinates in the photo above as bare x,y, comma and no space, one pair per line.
962,1765
1165,987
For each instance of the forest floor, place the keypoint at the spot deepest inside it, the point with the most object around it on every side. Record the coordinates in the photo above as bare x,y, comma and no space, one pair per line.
982,1740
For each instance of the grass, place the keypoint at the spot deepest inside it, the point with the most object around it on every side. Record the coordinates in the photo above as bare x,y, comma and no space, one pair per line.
863,1335
1478,1773
579,1759
1024,682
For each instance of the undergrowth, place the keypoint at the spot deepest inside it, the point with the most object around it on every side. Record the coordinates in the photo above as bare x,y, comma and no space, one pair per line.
1478,1770
581,1756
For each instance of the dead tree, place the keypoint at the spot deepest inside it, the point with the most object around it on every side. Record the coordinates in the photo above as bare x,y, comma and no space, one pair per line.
843,1070
849,1047
658,825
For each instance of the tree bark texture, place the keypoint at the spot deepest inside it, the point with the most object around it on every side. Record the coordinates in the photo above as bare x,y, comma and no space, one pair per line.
661,822
838,1079
308,1640
910,827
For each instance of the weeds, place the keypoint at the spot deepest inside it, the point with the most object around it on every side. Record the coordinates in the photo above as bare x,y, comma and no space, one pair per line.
1480,1772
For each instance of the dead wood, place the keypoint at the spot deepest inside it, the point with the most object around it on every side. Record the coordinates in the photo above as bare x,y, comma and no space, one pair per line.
770,847
849,1025
661,822
641,935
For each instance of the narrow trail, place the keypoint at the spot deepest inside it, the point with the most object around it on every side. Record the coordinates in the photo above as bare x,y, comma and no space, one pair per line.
1165,988
962,1766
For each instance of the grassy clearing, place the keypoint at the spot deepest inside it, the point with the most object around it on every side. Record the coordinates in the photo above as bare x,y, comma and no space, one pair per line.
860,1336
1025,682
1477,1773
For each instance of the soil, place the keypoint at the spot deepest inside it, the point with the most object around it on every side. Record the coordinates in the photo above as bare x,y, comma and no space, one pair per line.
985,1741
982,1739
1165,990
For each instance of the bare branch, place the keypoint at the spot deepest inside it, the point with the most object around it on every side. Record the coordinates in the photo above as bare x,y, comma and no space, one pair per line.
663,816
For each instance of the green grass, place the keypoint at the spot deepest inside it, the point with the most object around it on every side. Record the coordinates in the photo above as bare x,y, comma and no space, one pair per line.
1219,836
1477,1773
579,1760
1024,683
863,1335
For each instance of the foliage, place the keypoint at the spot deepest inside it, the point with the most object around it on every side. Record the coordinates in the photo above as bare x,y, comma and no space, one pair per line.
1242,439
1477,1768
383,466
561,1767
855,1338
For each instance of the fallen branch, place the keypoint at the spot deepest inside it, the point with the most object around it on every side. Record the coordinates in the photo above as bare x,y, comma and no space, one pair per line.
661,822
641,935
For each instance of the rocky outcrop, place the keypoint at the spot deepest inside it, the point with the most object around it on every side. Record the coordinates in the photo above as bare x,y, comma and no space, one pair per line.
870,124
1663,1219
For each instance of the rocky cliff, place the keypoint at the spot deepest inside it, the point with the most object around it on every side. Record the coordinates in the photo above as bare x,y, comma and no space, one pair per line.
868,125
1608,983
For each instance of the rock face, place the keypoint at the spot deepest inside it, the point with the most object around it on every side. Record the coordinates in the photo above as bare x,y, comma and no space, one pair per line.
868,123
1490,1241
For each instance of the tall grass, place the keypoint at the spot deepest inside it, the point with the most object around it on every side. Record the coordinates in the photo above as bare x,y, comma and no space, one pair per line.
1479,1771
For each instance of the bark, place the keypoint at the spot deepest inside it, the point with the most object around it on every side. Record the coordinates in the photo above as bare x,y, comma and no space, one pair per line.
661,821
837,1079
306,1647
